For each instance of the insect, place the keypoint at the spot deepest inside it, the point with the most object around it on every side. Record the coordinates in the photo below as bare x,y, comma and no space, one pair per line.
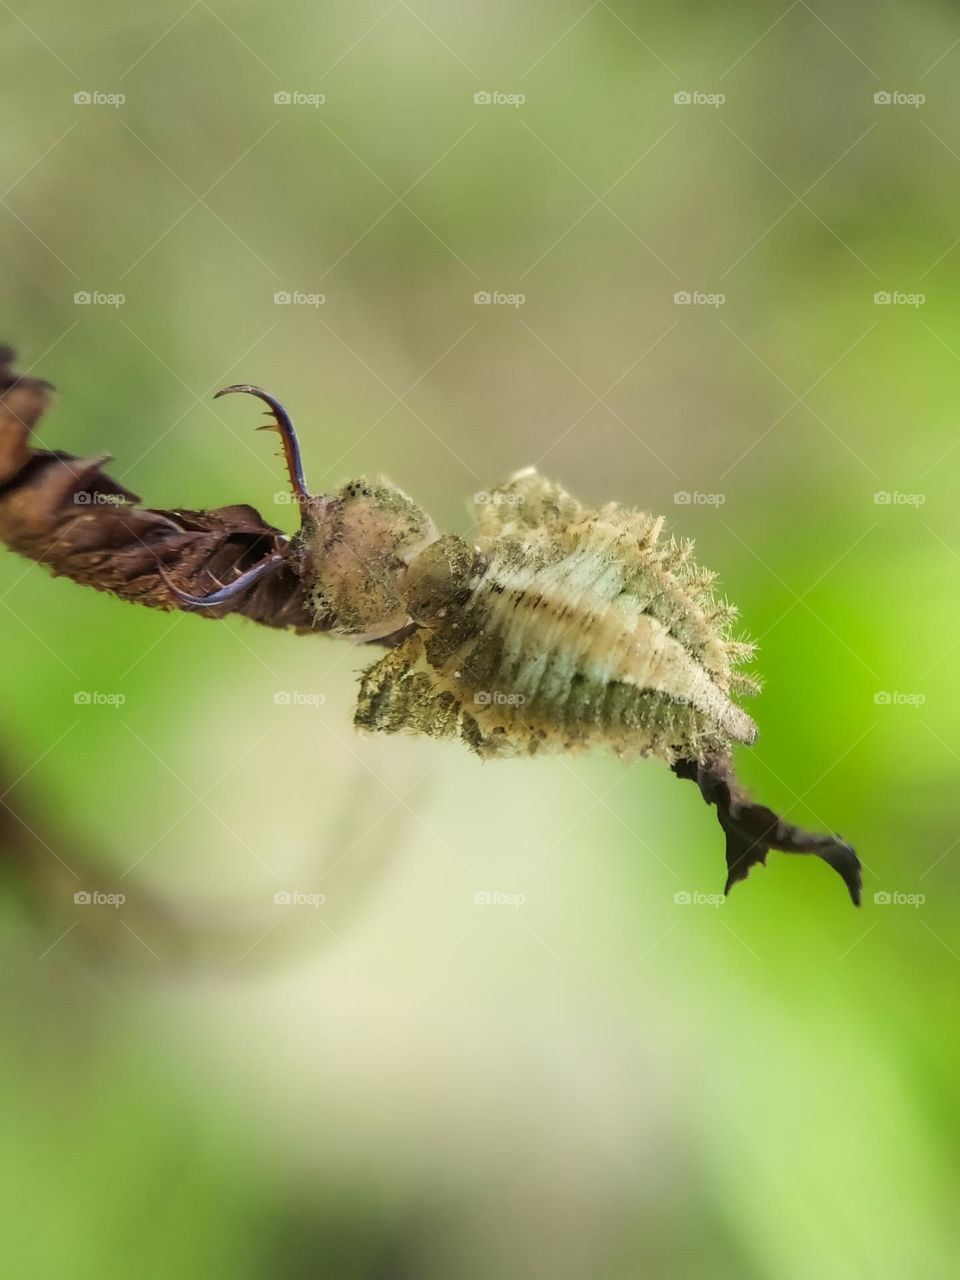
559,629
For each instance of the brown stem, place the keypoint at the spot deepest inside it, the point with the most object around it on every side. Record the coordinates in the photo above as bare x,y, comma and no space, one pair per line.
752,829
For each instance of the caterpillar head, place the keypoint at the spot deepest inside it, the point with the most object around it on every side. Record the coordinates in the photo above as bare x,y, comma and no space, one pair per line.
357,548
371,561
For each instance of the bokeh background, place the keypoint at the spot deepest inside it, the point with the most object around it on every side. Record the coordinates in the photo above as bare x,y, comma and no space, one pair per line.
597,1080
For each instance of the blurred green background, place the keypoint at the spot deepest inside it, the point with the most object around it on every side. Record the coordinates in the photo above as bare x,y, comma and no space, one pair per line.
599,1082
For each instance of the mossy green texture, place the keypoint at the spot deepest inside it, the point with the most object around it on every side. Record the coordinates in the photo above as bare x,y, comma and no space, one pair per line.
567,629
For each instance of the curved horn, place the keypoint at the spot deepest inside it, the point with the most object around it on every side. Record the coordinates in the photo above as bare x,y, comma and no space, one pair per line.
260,570
284,428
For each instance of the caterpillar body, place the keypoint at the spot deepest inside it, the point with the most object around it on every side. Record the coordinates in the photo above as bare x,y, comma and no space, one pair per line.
553,628
566,629
557,629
